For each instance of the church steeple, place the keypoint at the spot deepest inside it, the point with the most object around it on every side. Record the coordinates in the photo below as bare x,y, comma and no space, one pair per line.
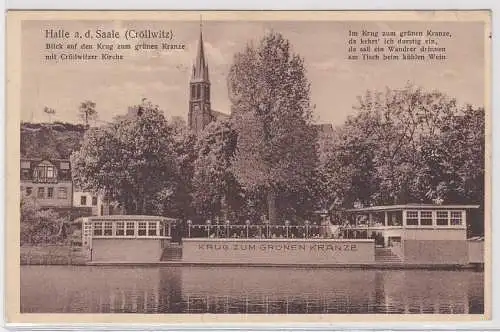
200,114
200,67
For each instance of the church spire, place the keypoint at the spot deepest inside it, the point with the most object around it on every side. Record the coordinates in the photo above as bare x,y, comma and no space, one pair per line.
200,67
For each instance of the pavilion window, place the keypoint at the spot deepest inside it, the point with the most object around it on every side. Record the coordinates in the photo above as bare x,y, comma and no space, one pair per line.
152,228
98,229
394,218
142,229
456,218
442,218
120,228
130,230
108,229
426,218
411,218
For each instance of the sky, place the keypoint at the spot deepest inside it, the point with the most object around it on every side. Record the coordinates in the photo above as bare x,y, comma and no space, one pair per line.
163,77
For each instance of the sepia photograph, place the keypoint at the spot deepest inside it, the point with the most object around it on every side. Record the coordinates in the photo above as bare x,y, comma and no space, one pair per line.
249,163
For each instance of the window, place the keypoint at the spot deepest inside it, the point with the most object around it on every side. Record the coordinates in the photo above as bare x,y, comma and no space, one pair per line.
25,164
29,191
411,218
442,218
64,165
142,229
198,91
426,218
192,92
45,172
50,192
98,229
130,229
94,201
456,218
62,193
108,228
207,91
120,228
152,228
394,218
83,200
25,174
50,172
41,192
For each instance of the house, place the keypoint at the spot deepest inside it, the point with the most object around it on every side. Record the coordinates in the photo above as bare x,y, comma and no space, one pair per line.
47,181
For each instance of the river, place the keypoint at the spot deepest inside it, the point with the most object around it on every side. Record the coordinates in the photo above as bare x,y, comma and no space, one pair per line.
95,289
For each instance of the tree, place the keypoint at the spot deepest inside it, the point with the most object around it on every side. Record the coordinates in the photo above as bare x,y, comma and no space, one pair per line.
49,111
215,190
175,200
130,160
87,111
407,146
269,93
457,157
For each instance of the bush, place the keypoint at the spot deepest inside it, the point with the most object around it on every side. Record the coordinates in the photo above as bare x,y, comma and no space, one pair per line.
38,226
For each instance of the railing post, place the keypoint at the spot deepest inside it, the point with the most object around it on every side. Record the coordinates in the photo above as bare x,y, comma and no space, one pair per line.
227,228
208,228
307,228
189,228
247,222
287,224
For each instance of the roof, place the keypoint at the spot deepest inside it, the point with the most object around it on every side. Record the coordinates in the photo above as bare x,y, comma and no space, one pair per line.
130,217
412,207
220,115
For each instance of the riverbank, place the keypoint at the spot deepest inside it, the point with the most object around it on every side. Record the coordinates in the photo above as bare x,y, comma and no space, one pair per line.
52,255
375,265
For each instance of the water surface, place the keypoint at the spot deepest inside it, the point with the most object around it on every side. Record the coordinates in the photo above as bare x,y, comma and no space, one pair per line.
93,289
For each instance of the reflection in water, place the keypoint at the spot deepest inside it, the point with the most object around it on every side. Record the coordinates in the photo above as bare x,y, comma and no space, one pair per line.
79,289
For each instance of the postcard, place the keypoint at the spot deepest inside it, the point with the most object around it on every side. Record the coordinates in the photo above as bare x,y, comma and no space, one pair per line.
251,166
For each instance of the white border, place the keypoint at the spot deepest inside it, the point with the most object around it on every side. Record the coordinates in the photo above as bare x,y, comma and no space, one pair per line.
494,324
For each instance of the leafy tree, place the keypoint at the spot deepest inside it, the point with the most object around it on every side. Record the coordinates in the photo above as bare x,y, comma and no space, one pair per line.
406,146
87,111
176,200
270,97
457,158
130,161
215,189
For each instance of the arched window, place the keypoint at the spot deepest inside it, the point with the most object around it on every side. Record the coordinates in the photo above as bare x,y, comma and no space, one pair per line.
192,91
198,91
207,91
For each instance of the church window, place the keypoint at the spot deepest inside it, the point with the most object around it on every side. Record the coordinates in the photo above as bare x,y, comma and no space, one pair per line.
198,91
193,91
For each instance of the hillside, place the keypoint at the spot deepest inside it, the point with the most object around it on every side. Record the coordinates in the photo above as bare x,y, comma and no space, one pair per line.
50,140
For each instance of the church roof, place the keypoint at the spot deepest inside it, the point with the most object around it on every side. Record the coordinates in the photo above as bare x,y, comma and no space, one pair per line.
219,115
200,67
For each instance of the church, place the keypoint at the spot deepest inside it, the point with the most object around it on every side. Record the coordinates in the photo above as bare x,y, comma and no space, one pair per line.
200,109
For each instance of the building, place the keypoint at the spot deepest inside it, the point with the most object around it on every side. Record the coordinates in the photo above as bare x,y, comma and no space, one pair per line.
98,204
48,181
200,110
